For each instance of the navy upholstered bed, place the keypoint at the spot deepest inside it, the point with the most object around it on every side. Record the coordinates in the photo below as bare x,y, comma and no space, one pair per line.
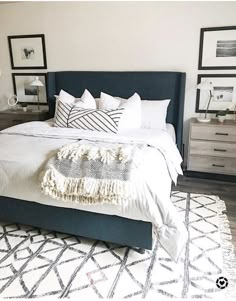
150,86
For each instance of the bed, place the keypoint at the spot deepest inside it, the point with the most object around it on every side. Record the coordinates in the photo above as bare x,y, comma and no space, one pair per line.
108,227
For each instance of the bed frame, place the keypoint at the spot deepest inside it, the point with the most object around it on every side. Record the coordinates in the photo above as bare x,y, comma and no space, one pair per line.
123,231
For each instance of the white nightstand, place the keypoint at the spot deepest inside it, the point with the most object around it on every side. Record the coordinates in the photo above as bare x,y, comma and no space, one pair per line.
212,147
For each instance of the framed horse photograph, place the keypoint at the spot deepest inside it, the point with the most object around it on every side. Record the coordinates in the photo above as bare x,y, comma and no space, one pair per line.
27,51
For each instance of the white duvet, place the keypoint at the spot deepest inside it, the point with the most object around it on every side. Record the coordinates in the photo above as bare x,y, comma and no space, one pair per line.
25,148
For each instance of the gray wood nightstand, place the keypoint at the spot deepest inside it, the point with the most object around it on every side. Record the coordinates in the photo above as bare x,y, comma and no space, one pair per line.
10,118
212,147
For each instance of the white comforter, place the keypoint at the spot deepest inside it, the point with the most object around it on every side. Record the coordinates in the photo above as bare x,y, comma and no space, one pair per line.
24,149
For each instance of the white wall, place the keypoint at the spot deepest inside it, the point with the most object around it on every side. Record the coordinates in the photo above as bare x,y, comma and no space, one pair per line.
115,36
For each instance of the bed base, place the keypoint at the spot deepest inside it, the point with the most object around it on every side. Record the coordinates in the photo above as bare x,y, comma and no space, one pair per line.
110,228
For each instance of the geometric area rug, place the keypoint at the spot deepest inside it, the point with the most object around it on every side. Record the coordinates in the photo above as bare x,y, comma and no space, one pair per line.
41,263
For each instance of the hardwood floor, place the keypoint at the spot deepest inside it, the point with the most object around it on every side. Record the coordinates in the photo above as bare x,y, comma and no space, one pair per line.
225,190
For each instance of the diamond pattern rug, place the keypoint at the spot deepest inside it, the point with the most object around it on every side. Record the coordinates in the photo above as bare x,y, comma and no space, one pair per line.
38,263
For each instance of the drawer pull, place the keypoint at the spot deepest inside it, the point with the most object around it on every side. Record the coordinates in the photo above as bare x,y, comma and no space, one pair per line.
222,134
219,150
218,165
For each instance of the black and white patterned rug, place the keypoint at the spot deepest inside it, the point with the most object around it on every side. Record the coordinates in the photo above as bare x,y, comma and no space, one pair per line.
38,263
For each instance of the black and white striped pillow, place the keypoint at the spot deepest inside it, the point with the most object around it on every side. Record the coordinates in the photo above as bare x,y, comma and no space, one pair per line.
72,116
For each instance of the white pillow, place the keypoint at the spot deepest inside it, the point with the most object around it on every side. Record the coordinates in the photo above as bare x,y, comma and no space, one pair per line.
97,102
86,101
131,119
154,113
108,102
66,97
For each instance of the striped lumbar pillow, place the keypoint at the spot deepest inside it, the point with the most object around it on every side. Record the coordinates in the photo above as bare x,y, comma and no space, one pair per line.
72,116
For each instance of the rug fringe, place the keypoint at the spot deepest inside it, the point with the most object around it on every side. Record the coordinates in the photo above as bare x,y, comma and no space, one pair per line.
229,258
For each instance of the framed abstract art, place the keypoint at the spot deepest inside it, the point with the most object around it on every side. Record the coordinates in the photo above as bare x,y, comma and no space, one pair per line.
217,48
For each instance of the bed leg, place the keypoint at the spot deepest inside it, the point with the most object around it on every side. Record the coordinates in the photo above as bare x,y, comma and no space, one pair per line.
139,250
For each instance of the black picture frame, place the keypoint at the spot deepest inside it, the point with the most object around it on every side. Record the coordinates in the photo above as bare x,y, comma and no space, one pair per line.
225,59
32,53
18,89
211,78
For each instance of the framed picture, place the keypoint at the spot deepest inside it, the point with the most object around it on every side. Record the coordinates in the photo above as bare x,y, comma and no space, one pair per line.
217,48
30,94
224,93
27,51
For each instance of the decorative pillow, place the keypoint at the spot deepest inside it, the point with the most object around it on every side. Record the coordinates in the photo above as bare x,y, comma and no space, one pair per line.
108,102
154,113
72,116
86,101
131,119
66,97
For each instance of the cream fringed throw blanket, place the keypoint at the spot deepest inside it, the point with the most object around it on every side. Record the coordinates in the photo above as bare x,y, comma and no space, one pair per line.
91,172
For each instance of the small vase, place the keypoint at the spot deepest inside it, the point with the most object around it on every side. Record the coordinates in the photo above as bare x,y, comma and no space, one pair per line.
221,118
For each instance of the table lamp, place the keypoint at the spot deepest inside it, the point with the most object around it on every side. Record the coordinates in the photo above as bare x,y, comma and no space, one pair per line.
206,86
37,83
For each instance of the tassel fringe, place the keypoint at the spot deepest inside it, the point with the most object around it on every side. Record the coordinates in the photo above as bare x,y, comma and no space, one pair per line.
106,153
229,258
86,190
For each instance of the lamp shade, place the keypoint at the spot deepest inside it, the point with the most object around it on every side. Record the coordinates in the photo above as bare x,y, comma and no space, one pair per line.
37,82
205,85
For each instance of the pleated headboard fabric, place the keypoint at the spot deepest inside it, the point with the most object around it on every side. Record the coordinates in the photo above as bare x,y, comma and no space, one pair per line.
155,85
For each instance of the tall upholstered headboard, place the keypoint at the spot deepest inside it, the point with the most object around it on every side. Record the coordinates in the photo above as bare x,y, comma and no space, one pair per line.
149,85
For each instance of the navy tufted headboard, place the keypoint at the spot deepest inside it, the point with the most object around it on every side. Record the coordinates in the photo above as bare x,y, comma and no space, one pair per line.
149,85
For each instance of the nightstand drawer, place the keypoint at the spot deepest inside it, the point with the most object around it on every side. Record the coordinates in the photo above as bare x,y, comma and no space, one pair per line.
8,123
9,118
212,165
211,148
215,133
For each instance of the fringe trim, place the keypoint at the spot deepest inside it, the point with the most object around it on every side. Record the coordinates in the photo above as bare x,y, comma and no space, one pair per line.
229,258
88,191
104,152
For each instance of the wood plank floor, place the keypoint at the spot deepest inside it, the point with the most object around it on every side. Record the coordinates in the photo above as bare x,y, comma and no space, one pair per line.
225,190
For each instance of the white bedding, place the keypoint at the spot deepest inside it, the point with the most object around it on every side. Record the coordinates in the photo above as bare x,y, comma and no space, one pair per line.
26,148
171,131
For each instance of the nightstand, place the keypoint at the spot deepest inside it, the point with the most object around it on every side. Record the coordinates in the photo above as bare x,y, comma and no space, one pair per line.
212,147
9,118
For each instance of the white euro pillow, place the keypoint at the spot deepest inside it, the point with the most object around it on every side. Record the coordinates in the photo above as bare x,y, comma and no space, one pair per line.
108,102
86,101
154,113
131,118
66,97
